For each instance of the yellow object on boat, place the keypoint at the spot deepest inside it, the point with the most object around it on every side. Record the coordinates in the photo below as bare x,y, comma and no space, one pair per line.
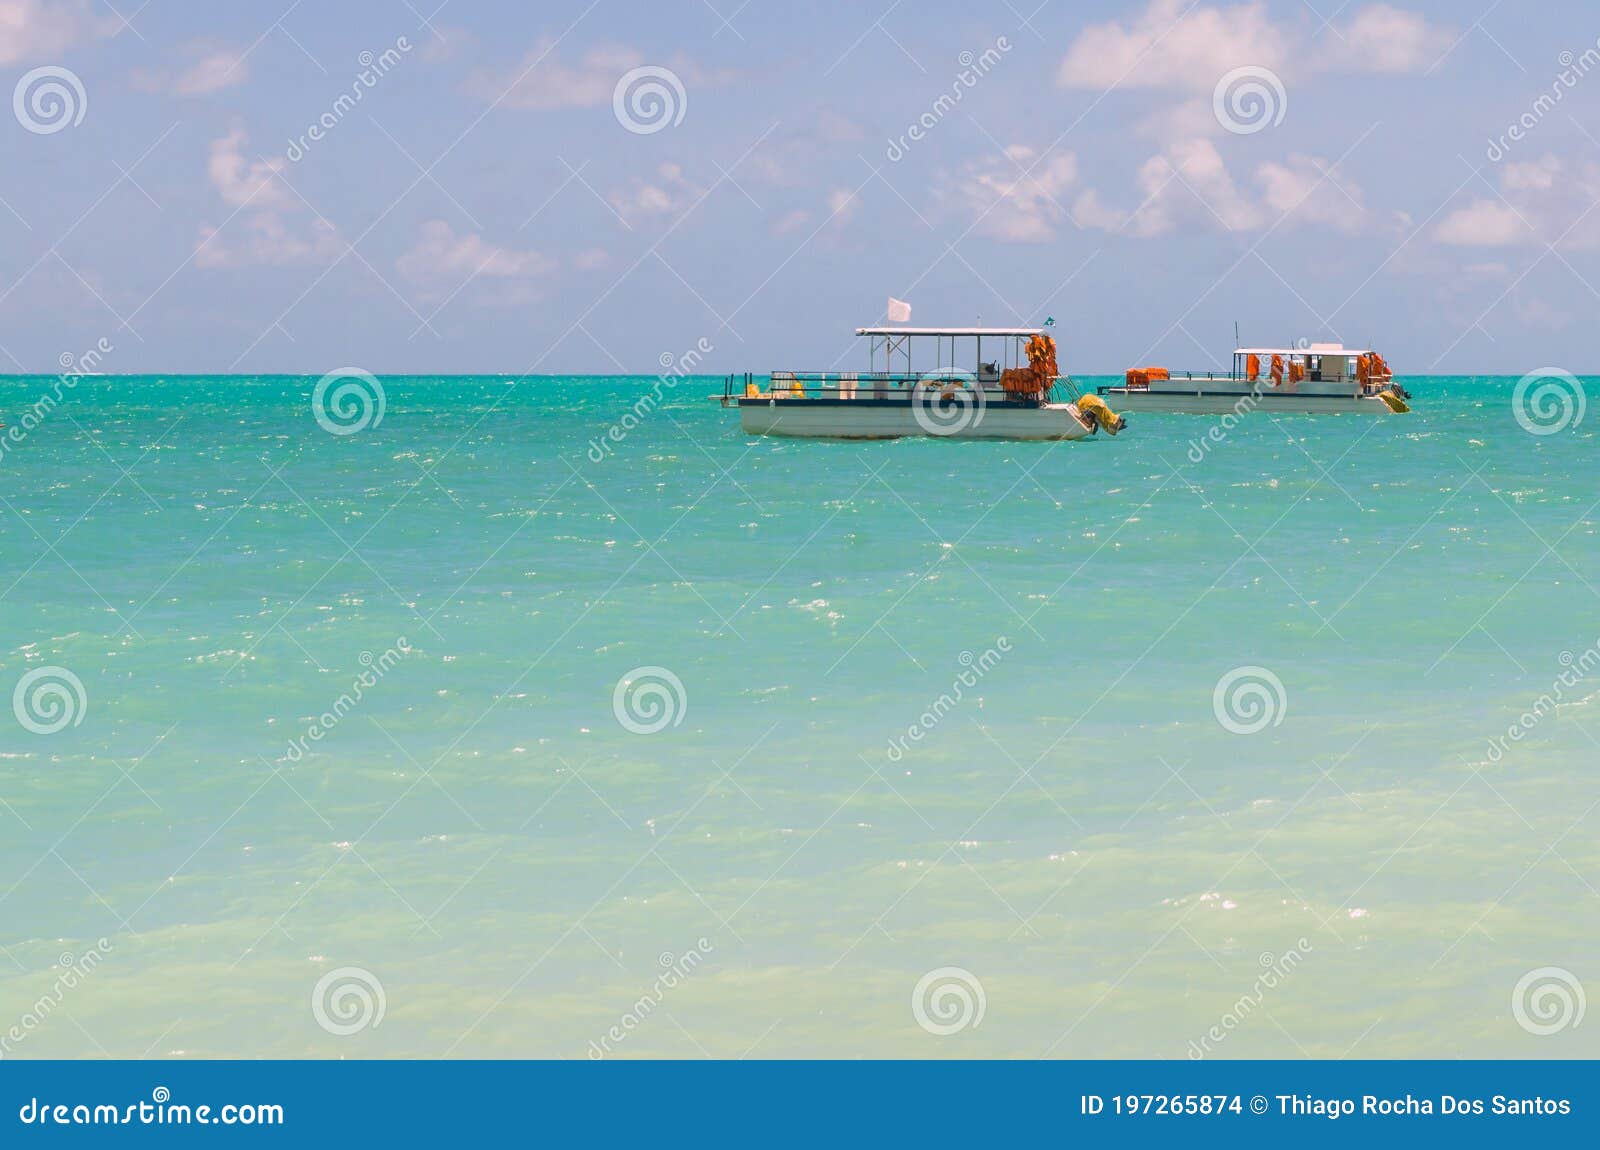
1094,410
1393,402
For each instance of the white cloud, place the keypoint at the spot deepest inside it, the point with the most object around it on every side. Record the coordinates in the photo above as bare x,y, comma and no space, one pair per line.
1089,211
1485,223
834,127
1190,117
842,205
1302,187
213,72
33,30
1539,175
446,42
1385,39
668,192
1169,47
1188,185
268,225
1189,182
1537,313
213,69
240,181
441,258
264,239
1544,201
1015,197
791,222
543,80
1173,44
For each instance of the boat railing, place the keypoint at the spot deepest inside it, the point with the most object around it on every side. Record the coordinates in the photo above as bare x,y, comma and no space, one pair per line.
863,384
814,383
1223,376
841,380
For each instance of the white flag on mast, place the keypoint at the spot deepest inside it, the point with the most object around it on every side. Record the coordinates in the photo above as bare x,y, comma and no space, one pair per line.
899,310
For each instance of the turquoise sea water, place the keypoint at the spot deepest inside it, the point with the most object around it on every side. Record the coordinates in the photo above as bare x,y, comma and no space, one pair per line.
1113,871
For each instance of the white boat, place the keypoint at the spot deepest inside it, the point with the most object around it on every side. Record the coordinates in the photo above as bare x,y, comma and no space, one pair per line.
1318,378
1017,395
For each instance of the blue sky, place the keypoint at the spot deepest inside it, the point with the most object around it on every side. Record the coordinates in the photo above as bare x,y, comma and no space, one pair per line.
485,207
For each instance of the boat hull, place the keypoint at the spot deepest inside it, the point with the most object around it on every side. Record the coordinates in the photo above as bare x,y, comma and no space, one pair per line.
1204,400
867,419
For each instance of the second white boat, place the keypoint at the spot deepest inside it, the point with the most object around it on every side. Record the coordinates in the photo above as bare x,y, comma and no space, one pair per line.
1318,379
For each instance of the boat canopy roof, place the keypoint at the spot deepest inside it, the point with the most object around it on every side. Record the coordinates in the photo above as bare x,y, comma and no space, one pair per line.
1314,349
999,331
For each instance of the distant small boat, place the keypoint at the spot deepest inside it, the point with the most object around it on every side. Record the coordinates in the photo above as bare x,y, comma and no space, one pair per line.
1018,395
1320,378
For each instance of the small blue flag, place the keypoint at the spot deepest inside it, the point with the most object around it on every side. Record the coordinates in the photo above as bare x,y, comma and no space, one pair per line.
1050,321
